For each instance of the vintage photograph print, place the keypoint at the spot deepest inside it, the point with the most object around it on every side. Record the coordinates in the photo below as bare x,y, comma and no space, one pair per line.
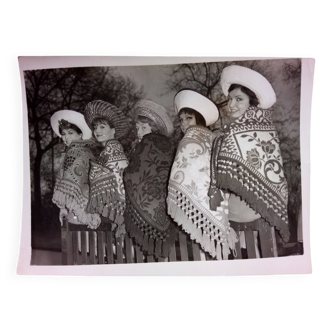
187,162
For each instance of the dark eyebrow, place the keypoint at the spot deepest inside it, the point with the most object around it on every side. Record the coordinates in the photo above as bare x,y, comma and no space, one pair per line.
236,96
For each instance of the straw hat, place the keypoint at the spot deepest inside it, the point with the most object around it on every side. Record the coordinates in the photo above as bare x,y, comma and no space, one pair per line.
252,80
72,117
102,109
157,114
191,99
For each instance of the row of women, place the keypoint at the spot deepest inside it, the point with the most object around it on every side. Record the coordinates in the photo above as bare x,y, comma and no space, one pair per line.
199,187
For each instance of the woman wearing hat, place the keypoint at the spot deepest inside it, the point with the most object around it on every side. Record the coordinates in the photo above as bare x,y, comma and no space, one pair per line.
188,201
107,195
71,192
146,180
246,158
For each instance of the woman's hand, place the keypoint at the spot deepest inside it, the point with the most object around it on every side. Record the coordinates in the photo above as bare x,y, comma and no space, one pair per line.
63,215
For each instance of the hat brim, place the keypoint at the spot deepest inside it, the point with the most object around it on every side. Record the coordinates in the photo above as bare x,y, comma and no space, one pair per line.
252,80
191,99
72,117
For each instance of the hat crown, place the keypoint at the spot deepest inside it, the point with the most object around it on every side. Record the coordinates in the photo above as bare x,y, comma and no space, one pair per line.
187,98
252,80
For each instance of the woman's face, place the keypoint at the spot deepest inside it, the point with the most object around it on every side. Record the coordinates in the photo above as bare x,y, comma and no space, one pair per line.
69,135
103,132
238,103
142,129
187,120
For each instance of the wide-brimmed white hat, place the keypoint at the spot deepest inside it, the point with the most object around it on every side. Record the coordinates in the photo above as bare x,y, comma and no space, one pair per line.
252,80
187,98
72,117
157,114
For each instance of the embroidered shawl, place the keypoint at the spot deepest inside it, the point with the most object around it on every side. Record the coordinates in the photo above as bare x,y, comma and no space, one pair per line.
188,200
107,196
72,187
247,161
146,180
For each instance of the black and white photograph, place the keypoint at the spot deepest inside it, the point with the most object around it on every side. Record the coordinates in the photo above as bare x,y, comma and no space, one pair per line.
187,161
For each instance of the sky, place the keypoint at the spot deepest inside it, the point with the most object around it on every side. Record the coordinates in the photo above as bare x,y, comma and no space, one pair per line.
153,79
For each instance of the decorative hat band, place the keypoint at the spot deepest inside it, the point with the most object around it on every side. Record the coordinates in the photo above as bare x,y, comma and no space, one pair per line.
64,124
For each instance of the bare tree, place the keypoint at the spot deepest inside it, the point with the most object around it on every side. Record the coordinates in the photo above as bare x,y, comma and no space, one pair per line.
51,90
201,77
292,71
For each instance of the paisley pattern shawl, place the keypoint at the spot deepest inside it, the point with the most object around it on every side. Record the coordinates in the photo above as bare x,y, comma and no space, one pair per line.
146,180
188,201
107,196
72,186
247,161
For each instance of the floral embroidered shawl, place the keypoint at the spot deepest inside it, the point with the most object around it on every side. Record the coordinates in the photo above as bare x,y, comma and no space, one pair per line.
246,160
188,200
107,196
146,180
72,187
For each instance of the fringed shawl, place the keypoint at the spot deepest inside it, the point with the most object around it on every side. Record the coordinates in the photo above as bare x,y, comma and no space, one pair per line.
246,160
146,180
188,201
107,196
72,188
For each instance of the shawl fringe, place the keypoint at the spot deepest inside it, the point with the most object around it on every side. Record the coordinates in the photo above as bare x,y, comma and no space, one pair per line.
104,198
214,192
106,208
215,197
157,246
256,202
61,199
196,233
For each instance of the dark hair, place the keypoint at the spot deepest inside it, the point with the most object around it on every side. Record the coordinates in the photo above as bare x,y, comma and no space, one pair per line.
101,120
200,121
253,100
63,124
151,123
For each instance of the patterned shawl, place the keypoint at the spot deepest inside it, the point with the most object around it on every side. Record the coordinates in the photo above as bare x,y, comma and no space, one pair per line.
107,196
146,180
247,161
188,201
72,188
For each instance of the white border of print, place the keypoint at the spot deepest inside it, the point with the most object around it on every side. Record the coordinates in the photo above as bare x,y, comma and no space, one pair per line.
281,265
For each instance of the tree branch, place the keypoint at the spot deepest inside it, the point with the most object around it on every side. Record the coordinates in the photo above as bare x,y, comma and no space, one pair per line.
50,145
55,86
